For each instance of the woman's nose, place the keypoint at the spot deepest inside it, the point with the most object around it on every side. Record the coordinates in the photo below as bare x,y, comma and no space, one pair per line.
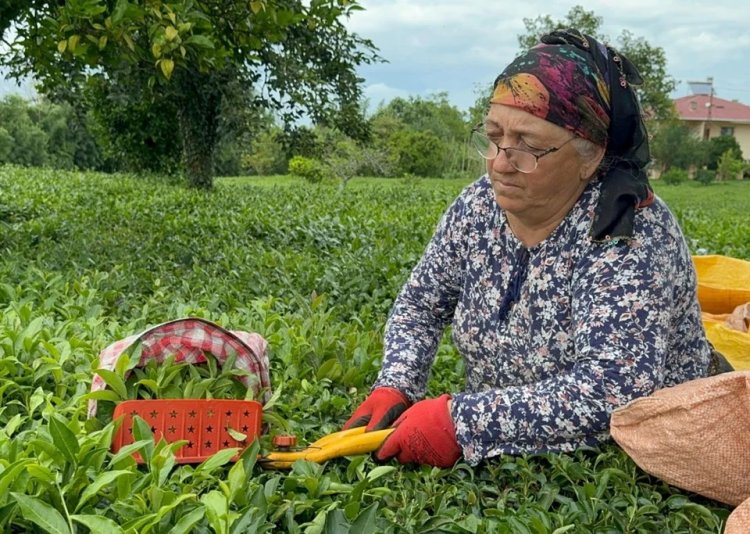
501,164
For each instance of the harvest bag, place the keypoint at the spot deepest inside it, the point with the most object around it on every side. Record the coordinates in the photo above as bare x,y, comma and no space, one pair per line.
695,435
206,425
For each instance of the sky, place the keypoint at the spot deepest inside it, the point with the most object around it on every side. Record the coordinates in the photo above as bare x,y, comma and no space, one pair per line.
459,46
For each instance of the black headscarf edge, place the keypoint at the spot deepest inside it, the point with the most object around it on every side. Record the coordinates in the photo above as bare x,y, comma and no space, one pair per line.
624,178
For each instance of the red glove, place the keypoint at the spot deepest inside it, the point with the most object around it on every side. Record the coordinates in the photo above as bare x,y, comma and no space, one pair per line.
424,434
379,410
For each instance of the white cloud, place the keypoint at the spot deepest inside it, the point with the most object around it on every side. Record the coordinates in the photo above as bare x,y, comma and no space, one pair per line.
380,92
452,45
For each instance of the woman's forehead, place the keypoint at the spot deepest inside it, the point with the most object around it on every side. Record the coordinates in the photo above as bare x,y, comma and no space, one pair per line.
516,120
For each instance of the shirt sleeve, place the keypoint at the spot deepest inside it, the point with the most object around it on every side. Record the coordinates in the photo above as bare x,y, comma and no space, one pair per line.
622,305
424,307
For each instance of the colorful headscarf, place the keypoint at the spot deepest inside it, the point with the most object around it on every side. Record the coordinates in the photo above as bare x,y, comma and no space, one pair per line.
584,86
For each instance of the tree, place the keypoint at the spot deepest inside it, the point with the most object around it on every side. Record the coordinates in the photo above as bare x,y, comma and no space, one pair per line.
9,11
29,145
421,121
717,146
673,145
266,154
298,55
730,167
651,61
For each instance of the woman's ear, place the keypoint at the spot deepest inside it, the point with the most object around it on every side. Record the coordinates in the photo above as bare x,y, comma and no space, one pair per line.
590,165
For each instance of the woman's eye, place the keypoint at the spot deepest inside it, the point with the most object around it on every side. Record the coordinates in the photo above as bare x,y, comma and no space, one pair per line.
526,144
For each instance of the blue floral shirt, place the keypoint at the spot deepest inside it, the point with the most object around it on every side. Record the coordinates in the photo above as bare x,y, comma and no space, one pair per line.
594,324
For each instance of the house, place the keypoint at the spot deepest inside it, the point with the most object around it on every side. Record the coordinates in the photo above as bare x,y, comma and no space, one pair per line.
709,116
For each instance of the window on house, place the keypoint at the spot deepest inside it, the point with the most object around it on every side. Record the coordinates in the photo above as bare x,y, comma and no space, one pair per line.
727,130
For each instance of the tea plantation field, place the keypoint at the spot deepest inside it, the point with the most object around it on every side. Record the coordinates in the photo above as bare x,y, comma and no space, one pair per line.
88,259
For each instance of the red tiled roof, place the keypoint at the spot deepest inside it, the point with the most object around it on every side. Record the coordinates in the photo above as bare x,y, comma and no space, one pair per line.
694,107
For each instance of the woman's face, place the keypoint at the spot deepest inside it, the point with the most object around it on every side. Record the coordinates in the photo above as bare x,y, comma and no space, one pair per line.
552,188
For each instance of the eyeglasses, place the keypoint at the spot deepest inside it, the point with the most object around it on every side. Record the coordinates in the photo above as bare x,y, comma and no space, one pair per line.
522,160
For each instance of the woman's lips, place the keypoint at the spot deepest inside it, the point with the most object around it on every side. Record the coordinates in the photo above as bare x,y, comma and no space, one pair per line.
505,184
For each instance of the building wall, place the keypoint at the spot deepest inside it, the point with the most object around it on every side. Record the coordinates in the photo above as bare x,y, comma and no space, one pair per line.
741,133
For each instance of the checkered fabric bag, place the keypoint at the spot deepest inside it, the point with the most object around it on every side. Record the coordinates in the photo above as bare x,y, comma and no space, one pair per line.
188,339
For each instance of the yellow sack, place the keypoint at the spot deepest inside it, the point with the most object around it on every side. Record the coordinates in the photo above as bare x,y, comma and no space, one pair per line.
733,344
723,283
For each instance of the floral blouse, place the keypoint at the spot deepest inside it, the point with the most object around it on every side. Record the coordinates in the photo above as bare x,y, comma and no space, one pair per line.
593,325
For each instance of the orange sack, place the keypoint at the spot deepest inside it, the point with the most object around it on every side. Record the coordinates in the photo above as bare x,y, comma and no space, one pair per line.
695,436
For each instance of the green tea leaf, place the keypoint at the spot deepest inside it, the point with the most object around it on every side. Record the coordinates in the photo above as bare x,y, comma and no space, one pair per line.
380,471
41,514
366,520
98,484
217,460
336,523
114,381
188,521
142,432
97,523
10,474
239,436
42,473
129,450
216,511
102,395
64,439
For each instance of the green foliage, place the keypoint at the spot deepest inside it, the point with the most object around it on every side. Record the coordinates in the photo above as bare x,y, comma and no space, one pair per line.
266,155
6,145
673,145
718,146
730,166
91,258
418,153
674,176
651,61
705,176
29,145
139,136
186,54
349,159
45,134
426,137
310,169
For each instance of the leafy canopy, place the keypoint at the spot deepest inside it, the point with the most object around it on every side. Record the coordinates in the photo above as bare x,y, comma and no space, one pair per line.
294,56
651,61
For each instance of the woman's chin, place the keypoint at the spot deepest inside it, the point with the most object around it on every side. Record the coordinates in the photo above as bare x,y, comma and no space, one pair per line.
507,196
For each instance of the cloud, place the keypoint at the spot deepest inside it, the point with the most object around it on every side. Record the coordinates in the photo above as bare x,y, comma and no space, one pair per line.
380,92
452,46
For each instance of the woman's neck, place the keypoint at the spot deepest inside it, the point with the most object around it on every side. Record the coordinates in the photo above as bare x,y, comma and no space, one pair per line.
532,229
531,235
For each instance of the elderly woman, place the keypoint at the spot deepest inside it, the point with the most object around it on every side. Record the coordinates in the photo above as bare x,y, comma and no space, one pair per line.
568,284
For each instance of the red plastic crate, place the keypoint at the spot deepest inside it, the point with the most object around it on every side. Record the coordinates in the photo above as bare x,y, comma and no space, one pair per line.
202,423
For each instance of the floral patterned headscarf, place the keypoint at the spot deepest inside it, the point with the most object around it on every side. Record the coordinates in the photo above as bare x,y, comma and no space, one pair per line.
584,86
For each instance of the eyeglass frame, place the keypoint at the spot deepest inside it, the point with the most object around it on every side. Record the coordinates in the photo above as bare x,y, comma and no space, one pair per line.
479,128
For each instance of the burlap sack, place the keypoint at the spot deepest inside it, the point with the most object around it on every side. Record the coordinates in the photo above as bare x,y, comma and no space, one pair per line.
695,436
738,521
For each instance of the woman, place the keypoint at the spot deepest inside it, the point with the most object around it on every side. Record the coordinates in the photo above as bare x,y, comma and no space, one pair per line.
569,285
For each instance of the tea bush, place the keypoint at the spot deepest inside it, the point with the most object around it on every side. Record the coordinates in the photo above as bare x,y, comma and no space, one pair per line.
307,168
674,176
88,259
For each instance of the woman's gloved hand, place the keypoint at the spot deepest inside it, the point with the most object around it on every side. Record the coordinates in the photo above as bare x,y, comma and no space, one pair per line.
379,410
425,434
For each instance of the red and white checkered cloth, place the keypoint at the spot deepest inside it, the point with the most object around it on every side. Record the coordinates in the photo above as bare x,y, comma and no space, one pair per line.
188,339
